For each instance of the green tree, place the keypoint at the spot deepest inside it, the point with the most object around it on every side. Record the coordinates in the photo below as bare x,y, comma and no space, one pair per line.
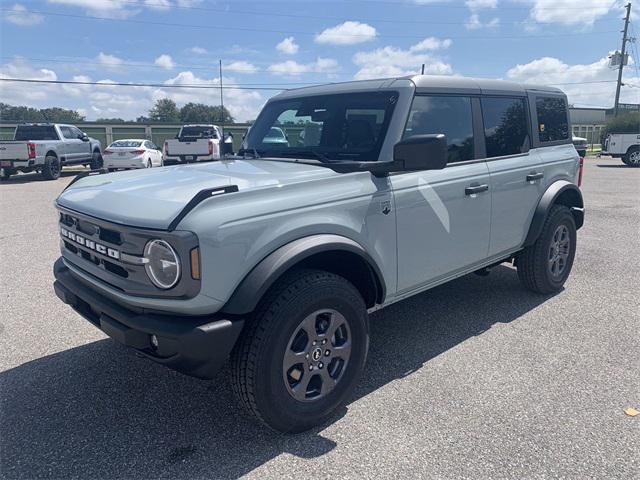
164,110
201,113
10,113
110,120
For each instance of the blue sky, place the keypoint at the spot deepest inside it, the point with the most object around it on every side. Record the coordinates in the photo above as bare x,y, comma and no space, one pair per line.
281,44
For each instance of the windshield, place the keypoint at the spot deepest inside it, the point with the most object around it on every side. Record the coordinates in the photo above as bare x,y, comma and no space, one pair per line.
338,127
198,132
126,143
36,132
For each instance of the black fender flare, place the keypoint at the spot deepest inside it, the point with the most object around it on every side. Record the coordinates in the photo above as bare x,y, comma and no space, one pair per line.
560,191
257,282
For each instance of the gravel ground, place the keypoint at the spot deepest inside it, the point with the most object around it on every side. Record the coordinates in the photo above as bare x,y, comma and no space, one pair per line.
474,379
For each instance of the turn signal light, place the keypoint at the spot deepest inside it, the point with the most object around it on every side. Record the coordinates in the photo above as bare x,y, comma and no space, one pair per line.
107,152
32,149
210,147
195,263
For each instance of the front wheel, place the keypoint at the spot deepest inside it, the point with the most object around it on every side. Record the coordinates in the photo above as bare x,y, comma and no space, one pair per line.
545,266
96,161
303,351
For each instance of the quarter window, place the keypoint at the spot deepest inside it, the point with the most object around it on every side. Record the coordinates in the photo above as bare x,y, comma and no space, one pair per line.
505,126
553,124
448,115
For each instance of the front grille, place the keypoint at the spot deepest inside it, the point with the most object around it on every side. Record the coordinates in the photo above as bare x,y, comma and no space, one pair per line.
100,248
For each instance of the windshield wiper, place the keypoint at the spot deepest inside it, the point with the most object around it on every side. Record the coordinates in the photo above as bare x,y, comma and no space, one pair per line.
303,153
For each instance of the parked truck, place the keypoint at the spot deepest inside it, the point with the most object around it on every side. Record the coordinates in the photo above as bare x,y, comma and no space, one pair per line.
625,146
46,148
194,143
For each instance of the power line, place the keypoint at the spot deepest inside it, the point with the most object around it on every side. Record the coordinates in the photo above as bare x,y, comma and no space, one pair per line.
281,32
440,5
155,85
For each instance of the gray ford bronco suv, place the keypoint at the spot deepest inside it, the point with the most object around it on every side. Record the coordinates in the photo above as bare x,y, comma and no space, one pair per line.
274,258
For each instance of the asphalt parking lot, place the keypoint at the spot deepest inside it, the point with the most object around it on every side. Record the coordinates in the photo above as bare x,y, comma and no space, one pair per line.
476,379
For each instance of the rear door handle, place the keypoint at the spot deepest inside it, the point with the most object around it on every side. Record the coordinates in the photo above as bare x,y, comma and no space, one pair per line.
535,176
473,189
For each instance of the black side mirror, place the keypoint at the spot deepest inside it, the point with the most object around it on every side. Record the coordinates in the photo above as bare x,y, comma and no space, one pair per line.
421,152
83,136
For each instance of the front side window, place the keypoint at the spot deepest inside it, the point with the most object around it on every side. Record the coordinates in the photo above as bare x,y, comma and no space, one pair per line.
68,133
506,129
448,115
338,127
553,124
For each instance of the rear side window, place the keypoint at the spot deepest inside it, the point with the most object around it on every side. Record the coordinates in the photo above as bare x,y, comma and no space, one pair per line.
36,132
448,115
506,130
553,124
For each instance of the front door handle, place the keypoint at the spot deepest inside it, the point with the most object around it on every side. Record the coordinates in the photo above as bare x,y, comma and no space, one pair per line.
473,189
535,176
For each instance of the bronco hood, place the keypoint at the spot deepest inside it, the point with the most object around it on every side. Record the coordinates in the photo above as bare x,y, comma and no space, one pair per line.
152,198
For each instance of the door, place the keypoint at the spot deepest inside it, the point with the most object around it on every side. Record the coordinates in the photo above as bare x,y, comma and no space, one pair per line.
517,175
443,216
84,147
73,146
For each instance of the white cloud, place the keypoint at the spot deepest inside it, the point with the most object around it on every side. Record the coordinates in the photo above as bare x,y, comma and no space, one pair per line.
393,61
570,12
165,61
474,22
199,50
549,71
240,67
347,33
18,15
109,61
480,4
116,101
158,4
288,46
293,68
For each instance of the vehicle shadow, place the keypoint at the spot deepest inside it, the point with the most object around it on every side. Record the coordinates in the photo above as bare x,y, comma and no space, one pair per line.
37,177
99,411
606,165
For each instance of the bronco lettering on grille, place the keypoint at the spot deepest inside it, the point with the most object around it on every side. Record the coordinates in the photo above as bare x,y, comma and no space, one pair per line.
90,244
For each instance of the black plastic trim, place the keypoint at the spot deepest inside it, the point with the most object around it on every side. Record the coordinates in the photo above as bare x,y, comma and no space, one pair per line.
194,345
197,198
547,201
252,288
99,171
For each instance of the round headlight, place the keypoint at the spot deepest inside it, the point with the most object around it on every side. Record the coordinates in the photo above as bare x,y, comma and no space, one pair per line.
163,264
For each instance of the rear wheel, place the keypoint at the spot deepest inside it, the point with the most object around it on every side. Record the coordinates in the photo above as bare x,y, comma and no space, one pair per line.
96,161
51,168
302,354
632,158
545,266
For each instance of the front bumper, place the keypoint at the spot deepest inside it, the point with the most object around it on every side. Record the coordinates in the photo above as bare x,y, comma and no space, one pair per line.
196,346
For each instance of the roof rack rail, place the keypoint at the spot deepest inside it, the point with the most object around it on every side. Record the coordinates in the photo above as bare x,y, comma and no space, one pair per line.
197,198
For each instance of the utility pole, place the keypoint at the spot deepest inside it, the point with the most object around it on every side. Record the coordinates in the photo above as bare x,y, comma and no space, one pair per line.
221,100
622,57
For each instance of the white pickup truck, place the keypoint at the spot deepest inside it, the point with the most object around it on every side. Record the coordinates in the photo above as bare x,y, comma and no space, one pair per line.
194,143
46,148
625,146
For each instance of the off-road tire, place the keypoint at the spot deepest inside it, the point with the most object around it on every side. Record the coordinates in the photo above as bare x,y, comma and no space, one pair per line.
632,158
96,161
533,262
257,358
51,168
